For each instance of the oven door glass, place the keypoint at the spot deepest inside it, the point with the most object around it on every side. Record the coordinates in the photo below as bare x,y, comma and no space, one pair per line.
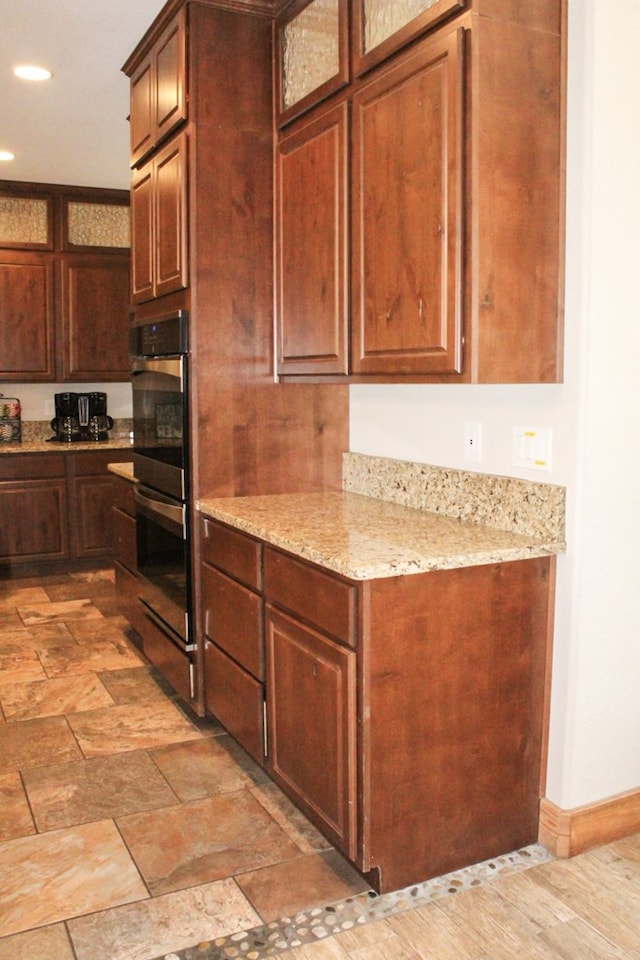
159,434
163,562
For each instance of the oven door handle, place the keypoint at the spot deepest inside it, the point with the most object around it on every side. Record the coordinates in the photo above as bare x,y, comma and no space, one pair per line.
173,512
171,366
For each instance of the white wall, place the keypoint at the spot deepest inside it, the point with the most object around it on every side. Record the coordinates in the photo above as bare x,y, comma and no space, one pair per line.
595,722
36,399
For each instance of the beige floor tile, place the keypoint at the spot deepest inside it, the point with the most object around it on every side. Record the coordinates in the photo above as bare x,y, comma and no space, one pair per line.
49,698
32,637
89,576
88,631
106,787
151,928
46,943
203,768
33,614
10,598
133,685
575,938
15,815
294,823
138,726
67,661
24,745
204,840
80,590
66,873
19,664
284,889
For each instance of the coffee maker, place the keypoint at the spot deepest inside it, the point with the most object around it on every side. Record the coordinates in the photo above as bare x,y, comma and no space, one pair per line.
81,417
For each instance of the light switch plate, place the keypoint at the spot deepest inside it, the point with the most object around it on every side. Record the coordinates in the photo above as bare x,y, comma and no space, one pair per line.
532,447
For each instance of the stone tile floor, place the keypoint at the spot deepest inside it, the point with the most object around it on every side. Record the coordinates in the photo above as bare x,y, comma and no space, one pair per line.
133,830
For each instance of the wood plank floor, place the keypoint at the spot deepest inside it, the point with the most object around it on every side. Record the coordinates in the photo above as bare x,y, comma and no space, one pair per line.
587,908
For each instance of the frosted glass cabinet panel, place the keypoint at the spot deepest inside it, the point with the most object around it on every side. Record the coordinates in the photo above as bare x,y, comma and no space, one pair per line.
382,25
312,53
97,225
26,222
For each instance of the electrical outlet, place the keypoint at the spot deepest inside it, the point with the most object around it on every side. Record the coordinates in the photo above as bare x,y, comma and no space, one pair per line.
473,441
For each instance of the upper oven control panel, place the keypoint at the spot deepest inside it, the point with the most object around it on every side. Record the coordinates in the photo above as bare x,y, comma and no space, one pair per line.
164,337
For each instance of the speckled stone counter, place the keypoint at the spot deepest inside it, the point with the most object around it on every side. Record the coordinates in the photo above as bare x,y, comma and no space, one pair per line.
365,538
124,470
42,446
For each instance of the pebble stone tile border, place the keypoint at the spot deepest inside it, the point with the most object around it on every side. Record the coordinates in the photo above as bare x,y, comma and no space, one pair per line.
276,937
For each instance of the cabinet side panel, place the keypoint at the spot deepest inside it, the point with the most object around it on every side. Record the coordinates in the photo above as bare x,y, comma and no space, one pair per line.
456,695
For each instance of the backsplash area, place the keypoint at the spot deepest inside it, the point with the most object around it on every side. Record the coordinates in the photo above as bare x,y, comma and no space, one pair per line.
36,430
506,503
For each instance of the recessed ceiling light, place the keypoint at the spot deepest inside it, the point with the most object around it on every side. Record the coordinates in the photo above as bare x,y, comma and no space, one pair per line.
32,73
7,155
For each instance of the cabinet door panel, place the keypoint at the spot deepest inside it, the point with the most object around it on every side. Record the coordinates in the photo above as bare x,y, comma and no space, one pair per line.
142,242
26,318
34,521
93,513
311,701
170,101
171,217
407,201
96,318
311,183
141,119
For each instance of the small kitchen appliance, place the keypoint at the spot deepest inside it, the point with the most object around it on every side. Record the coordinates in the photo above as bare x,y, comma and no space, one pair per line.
81,417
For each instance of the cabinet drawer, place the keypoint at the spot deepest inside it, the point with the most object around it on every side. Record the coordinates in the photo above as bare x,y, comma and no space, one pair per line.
311,594
233,619
36,466
236,699
174,665
237,554
124,533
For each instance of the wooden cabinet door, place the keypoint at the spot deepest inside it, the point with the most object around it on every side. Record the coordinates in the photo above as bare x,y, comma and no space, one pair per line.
311,246
95,318
158,101
142,241
311,711
170,217
407,214
26,317
34,520
93,503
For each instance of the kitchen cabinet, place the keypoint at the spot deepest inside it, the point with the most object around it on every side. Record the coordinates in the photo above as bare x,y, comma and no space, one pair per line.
447,143
56,511
158,90
234,671
64,284
405,714
159,223
34,507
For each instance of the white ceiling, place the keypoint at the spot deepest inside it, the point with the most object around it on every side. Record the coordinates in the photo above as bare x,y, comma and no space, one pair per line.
73,128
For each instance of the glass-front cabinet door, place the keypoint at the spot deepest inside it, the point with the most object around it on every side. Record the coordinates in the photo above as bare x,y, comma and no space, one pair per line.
312,52
381,26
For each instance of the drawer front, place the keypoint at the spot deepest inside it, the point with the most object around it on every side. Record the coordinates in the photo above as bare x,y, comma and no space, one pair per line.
233,618
174,665
124,531
123,494
19,467
237,554
236,699
91,463
311,594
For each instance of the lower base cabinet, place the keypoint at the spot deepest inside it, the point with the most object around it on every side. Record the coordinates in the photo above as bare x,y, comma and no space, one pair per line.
55,511
406,716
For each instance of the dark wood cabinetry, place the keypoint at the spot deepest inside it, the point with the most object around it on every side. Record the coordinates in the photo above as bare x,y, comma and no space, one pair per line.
158,90
159,223
64,310
405,715
55,511
27,317
231,576
454,269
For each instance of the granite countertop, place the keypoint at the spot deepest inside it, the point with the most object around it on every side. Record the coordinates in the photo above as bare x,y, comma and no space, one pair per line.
44,446
364,538
124,470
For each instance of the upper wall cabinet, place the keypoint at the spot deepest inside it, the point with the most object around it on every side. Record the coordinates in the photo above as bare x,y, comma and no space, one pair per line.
419,210
158,91
312,55
64,283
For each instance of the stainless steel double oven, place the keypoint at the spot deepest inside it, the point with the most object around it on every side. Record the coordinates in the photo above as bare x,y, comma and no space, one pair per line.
160,363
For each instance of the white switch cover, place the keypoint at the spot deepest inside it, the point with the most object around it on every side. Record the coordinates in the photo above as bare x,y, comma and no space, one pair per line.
532,447
473,441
